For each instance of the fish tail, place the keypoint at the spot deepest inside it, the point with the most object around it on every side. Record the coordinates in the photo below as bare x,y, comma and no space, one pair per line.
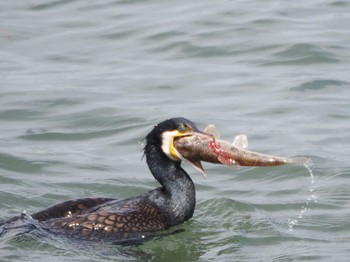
301,160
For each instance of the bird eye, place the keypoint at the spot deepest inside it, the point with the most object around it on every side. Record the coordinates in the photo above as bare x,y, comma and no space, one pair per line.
181,129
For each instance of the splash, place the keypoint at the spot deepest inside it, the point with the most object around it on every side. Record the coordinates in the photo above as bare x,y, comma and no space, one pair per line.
312,196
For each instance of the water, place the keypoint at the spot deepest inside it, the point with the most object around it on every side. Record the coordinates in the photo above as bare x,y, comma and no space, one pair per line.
81,84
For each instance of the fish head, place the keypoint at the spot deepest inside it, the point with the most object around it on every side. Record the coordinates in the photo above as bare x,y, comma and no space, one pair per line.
197,146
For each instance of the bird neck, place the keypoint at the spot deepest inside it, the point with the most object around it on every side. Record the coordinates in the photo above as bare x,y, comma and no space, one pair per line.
178,191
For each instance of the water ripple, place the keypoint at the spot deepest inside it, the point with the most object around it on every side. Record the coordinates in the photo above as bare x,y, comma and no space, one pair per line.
82,82
301,54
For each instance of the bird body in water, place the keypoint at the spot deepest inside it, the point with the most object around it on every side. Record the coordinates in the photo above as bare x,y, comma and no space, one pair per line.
171,204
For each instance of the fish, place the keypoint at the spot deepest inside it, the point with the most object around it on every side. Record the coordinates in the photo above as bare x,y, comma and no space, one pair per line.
208,147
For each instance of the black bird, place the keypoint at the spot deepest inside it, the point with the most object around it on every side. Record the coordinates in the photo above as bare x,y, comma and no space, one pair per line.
171,204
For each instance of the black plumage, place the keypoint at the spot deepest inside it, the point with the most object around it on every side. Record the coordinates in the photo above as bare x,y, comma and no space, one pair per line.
171,204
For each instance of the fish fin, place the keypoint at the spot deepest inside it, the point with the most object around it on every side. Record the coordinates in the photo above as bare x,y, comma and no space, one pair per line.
210,129
299,160
241,141
196,164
